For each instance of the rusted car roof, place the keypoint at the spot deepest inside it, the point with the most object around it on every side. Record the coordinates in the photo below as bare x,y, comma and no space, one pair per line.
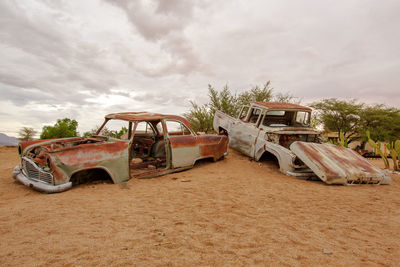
143,116
338,165
279,105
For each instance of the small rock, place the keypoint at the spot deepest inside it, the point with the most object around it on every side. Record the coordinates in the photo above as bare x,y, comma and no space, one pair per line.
151,167
174,178
161,234
124,186
328,252
184,180
137,160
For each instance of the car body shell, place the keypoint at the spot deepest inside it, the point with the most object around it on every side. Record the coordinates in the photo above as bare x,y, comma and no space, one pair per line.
48,165
283,130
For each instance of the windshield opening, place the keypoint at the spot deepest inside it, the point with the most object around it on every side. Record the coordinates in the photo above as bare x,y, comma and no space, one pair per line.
283,118
115,129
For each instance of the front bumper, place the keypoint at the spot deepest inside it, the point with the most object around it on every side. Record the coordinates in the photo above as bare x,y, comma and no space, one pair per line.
37,185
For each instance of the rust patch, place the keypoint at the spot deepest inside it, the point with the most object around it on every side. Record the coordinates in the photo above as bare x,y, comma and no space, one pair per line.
146,116
183,141
336,162
315,155
213,146
279,105
91,152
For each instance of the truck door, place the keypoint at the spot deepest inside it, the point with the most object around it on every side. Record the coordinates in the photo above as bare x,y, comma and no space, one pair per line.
244,132
184,145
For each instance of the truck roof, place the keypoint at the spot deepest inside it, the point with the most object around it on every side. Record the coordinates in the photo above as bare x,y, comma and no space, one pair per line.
279,105
144,116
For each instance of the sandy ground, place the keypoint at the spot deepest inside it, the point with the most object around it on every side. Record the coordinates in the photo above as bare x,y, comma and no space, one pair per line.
232,212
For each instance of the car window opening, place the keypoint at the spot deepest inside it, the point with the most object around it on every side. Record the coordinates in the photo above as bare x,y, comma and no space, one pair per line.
147,153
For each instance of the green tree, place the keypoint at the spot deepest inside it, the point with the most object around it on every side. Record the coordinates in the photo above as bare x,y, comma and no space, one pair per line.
107,132
63,128
354,119
340,116
256,93
201,117
115,134
26,134
223,100
89,133
286,98
383,123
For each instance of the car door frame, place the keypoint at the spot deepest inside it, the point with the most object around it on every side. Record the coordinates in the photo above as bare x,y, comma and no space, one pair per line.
244,134
184,150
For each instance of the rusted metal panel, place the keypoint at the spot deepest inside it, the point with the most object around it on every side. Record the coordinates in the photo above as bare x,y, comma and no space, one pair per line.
184,150
338,165
213,146
187,149
279,105
69,155
183,141
145,116
110,156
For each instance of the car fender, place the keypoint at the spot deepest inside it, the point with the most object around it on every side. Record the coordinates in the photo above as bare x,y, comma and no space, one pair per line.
285,156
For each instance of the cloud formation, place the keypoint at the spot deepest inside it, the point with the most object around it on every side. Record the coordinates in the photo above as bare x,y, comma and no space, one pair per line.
164,22
85,59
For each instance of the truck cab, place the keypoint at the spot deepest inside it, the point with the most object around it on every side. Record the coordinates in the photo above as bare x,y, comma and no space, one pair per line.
270,128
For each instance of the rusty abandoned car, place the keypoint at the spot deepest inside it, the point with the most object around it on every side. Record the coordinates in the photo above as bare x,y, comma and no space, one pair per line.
282,131
152,145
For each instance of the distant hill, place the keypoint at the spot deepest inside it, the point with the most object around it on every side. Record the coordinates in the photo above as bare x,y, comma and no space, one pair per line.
6,140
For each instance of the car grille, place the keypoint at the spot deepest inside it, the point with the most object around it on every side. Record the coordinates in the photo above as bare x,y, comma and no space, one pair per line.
34,172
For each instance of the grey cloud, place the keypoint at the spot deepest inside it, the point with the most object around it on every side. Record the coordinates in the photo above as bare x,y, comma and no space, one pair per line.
179,8
30,34
23,96
165,23
164,98
156,22
63,63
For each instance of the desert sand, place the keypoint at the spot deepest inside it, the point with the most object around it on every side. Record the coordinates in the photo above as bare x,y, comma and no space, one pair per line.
231,212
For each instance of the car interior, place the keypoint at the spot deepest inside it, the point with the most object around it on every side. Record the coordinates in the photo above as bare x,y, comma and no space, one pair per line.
147,152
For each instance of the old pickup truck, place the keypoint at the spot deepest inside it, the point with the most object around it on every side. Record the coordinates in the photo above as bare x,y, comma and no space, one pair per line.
153,145
283,131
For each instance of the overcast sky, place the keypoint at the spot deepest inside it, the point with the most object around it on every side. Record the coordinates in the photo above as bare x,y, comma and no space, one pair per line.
84,59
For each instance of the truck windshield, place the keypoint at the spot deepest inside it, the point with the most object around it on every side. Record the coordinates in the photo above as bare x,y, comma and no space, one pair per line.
303,118
277,118
282,118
